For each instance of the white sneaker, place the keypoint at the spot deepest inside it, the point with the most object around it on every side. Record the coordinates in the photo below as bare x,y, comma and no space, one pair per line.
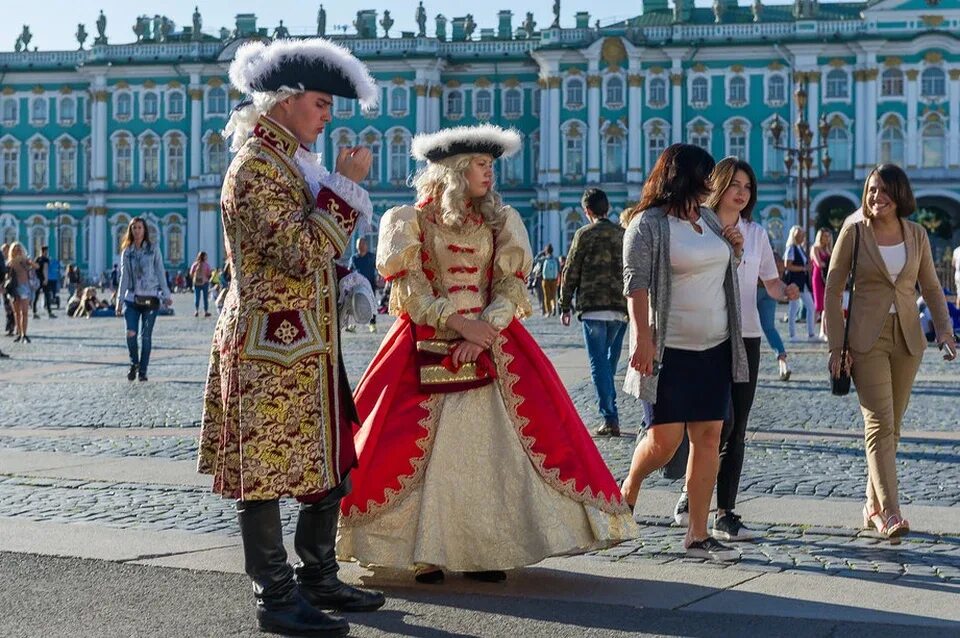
784,369
681,513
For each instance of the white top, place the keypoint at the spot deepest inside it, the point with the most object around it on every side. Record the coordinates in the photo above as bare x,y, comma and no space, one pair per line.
895,257
604,315
757,262
698,306
956,263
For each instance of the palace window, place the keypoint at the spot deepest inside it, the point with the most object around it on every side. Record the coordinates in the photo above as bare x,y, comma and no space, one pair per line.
176,162
11,164
776,90
38,111
67,164
535,156
39,165
657,92
175,105
933,146
574,93
933,83
123,162
573,156
512,168
67,111
343,106
399,157
838,85
175,244
656,145
68,240
454,104
891,83
737,91
10,108
398,100
891,144
372,140
216,155
124,106
9,234
699,91
512,103
737,143
773,157
86,167
838,145
701,139
484,104
613,147
151,106
217,101
614,91
150,161
38,236
535,102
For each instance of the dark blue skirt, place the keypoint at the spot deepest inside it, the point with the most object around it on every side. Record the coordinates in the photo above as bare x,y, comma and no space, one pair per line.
694,385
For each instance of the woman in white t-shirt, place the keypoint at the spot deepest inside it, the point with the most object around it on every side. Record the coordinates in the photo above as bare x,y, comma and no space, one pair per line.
733,197
798,267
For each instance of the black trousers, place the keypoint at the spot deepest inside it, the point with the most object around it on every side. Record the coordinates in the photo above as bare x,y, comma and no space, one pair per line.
734,431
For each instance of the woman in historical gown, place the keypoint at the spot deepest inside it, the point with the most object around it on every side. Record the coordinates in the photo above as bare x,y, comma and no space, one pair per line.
472,456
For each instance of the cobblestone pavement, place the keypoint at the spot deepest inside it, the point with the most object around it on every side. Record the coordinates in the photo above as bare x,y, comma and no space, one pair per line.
809,443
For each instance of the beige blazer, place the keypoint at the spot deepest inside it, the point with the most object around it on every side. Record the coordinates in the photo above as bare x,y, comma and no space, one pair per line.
875,291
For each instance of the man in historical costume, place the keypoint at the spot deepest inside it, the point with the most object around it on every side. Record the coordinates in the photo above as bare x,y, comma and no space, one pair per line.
277,419
472,455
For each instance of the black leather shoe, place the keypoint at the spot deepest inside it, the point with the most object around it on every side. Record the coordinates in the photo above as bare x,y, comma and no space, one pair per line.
132,374
316,572
488,576
609,428
432,577
281,608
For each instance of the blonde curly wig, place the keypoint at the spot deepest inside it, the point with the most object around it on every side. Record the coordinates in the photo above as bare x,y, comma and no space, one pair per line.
445,181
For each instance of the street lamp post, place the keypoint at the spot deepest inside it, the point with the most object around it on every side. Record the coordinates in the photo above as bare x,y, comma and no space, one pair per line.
802,156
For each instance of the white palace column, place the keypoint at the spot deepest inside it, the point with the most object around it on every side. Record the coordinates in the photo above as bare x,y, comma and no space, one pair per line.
96,198
194,231
872,156
953,135
676,102
860,123
553,97
634,125
420,90
545,137
594,82
913,136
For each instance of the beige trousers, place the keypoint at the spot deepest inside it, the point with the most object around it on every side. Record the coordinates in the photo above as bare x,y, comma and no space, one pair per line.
550,295
884,379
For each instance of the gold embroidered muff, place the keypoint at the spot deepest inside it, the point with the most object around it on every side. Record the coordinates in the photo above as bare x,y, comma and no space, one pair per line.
283,337
437,373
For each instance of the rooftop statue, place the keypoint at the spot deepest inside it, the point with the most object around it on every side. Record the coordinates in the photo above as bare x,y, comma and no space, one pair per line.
23,39
757,9
101,29
141,28
197,23
321,21
157,28
556,15
469,27
166,28
81,34
529,24
225,34
386,22
718,10
421,21
281,32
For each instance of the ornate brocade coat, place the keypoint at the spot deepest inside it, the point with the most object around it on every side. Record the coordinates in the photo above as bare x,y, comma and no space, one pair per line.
277,409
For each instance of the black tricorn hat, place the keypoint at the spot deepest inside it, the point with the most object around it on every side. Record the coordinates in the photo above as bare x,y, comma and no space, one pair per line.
311,64
485,139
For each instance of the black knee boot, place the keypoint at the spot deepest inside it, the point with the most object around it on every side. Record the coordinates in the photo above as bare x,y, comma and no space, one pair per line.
317,570
280,606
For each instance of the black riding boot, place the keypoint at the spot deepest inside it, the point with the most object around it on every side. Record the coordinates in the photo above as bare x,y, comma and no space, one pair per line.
317,570
280,606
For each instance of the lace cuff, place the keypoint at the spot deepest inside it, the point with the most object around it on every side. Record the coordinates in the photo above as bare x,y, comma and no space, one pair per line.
354,195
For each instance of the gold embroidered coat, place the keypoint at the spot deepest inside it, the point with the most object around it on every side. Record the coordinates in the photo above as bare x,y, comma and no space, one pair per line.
276,418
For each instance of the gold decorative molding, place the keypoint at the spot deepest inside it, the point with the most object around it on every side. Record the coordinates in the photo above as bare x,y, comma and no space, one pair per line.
594,81
511,83
634,79
837,63
859,75
8,90
436,91
453,84
399,81
676,79
837,122
737,68
174,84
954,74
482,82
775,66
933,57
554,82
890,120
195,94
813,76
542,83
912,74
892,61
235,94
871,74
100,96
149,84
214,82
574,70
699,67
65,90
209,207
420,90
122,84
100,211
932,21
613,52
37,90
656,70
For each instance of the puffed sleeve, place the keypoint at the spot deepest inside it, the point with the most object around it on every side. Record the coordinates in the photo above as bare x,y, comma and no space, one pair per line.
512,261
398,261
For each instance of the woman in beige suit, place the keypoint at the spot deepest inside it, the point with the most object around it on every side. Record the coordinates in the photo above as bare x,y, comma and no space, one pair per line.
886,342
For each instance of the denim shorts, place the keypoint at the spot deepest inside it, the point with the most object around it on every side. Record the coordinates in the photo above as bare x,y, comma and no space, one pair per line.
23,291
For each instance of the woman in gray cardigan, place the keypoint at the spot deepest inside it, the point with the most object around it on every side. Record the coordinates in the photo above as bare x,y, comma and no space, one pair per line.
686,348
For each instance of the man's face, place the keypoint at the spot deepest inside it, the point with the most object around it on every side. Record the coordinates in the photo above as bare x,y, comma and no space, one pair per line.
307,114
362,246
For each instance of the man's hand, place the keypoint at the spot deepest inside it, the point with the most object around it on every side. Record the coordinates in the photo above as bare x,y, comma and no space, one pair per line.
565,318
168,302
354,163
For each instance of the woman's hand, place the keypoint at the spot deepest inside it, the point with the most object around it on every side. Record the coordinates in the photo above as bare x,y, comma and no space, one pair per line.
465,352
949,347
476,331
733,235
642,358
834,364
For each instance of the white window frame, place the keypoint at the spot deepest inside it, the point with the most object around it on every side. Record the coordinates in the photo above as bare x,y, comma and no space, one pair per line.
565,137
649,137
897,97
886,126
728,133
694,79
447,95
62,120
143,102
536,95
660,77
768,97
567,82
142,159
830,117
944,138
943,78
604,153
116,105
15,117
396,89
343,107
477,113
58,162
614,104
169,178
43,100
512,115
32,183
115,140
173,223
5,164
375,176
708,131
207,159
391,134
210,113
768,149
826,97
168,112
728,91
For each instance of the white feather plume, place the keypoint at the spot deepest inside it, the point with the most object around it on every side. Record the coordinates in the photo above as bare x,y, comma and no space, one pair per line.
255,59
426,143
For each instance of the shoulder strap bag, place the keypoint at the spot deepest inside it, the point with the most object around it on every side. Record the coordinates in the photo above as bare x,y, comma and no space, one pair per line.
840,385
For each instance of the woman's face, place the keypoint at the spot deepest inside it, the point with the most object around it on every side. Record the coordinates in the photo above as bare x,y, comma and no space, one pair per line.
737,195
137,229
879,203
798,238
479,175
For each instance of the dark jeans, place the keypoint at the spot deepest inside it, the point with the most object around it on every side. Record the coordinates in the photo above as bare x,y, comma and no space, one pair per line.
734,430
139,322
604,341
197,292
47,291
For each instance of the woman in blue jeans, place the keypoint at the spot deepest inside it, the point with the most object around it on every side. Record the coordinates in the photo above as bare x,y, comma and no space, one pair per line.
200,274
143,287
767,306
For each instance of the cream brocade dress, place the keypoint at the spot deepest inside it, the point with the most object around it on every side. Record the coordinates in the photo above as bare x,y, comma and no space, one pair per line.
479,498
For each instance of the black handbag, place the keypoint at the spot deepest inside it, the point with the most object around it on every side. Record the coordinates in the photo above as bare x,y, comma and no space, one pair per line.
840,384
144,303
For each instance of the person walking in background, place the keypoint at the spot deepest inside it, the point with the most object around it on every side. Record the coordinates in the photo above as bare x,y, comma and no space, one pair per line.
767,307
73,279
550,274
593,275
8,293
820,260
114,277
535,280
364,261
43,274
885,337
797,266
4,283
141,290
200,275
686,347
733,196
19,269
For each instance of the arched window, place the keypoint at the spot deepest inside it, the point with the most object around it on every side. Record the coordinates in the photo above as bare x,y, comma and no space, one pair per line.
38,238
38,110
39,163
217,101
535,98
373,141
657,92
573,151
176,162
86,169
151,108
124,106
399,157
773,157
891,145
122,161
574,93
11,164
700,138
9,234
10,109
737,140
66,251
613,147
656,144
891,83
512,102
150,161
484,103
512,168
67,111
535,156
175,244
216,155
398,100
699,90
933,83
614,91
454,104
737,90
67,164
933,146
838,145
175,105
838,85
776,89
